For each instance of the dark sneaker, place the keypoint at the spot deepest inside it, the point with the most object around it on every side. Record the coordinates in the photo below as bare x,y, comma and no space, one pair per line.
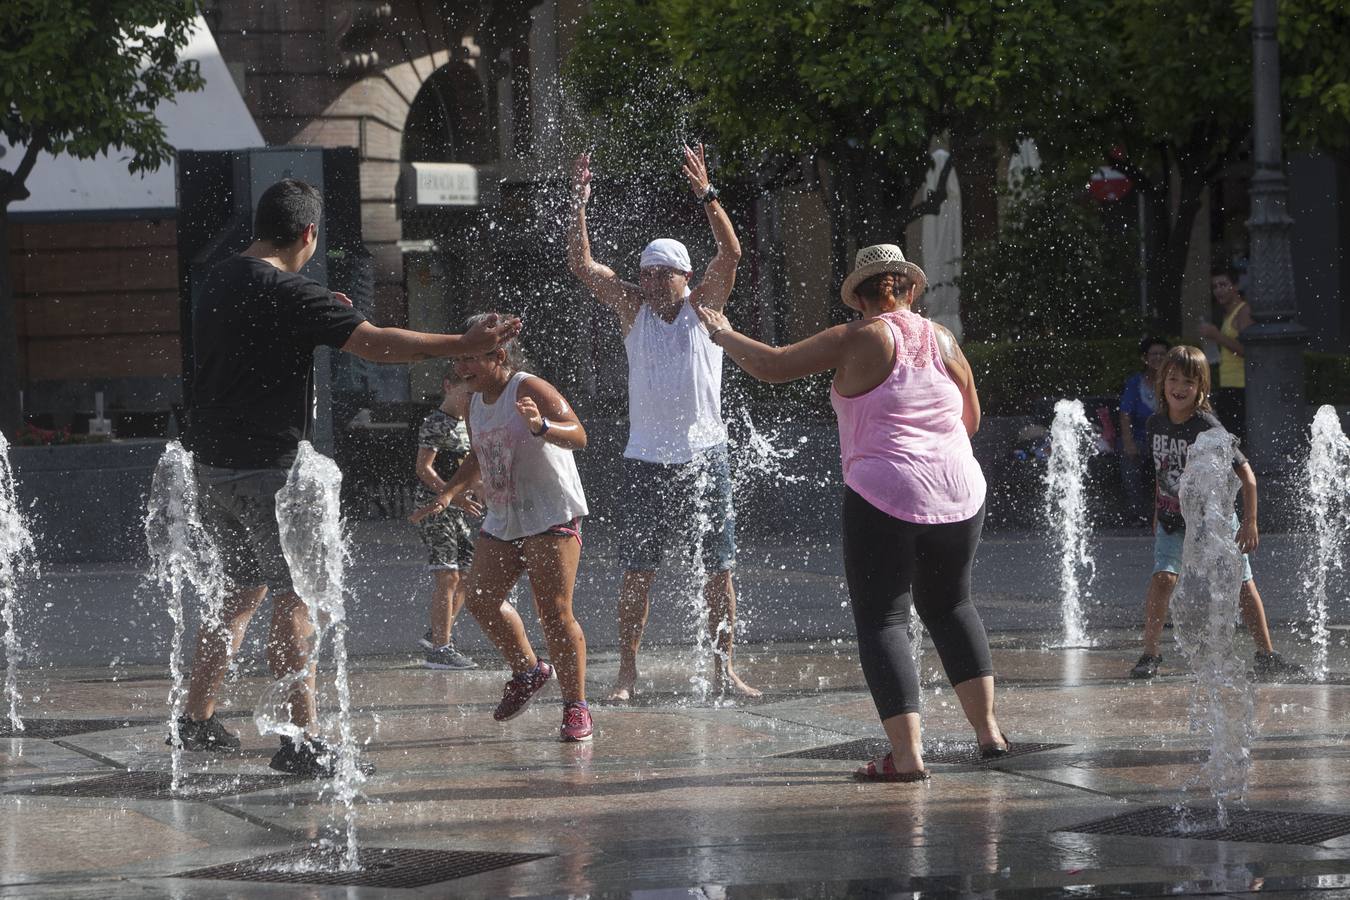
311,758
1147,666
576,724
448,657
1274,667
209,735
520,690
425,640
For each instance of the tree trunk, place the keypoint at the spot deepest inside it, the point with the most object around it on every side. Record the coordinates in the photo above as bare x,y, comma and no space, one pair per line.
979,185
1168,260
10,416
840,202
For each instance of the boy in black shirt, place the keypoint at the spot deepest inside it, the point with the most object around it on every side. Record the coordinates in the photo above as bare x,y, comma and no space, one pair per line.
255,327
1183,413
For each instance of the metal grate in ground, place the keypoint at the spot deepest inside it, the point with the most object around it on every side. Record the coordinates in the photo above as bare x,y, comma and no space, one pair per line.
1256,826
379,867
45,729
156,786
947,752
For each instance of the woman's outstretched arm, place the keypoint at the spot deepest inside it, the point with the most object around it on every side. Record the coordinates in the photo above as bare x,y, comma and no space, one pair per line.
821,352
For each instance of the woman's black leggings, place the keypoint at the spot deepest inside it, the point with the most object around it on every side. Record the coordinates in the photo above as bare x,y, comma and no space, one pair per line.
886,560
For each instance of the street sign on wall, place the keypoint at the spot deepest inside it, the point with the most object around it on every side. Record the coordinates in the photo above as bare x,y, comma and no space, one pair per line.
445,184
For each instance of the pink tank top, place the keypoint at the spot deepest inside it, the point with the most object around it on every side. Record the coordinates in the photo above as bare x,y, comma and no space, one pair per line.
903,445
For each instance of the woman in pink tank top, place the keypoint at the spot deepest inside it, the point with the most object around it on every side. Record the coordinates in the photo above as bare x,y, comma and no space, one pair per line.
913,497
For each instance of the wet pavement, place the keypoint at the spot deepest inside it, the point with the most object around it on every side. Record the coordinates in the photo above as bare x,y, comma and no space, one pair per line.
677,796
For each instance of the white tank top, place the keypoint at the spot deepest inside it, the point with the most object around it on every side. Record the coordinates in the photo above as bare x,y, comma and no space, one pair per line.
530,485
674,388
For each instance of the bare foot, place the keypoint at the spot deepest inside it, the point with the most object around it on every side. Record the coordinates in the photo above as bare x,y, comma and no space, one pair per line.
729,679
625,686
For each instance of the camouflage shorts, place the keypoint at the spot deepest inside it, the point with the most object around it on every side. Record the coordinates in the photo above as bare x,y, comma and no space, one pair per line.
448,536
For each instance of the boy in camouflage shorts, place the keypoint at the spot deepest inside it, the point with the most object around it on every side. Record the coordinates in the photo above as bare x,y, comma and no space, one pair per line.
442,444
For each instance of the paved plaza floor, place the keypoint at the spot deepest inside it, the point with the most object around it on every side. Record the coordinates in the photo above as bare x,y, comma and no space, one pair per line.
684,797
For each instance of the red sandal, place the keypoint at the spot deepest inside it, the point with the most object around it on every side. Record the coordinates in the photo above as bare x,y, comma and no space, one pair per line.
884,770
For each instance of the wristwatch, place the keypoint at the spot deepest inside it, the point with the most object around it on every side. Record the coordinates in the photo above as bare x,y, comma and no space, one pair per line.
543,429
709,195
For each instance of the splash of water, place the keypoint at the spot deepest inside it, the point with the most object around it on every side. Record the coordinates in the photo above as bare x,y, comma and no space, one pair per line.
1065,508
1205,613
1328,512
16,561
312,539
182,555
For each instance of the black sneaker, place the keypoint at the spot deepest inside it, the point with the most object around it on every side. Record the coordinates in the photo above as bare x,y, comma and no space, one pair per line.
311,758
209,735
425,640
1274,667
448,657
1147,666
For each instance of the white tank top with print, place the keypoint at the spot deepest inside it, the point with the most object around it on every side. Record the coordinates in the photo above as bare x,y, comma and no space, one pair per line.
529,484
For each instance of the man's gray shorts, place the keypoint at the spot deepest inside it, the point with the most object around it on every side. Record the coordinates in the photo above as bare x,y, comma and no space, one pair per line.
239,512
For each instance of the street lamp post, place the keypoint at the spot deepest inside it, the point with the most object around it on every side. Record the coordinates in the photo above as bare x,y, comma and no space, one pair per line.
1273,344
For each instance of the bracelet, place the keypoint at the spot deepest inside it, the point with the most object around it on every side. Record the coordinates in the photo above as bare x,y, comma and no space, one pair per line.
543,430
712,335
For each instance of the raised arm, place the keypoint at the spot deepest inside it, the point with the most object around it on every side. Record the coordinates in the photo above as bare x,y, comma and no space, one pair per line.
720,276
399,345
599,278
548,415
958,368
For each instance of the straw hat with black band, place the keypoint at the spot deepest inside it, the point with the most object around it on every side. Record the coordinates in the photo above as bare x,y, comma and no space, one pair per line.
875,260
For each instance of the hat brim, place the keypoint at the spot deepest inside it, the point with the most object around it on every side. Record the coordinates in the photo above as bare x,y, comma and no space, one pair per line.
847,292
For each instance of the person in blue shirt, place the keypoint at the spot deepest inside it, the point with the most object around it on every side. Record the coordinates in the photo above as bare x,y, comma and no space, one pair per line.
1138,402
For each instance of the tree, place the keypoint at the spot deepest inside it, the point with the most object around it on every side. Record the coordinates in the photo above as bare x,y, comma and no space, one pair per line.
81,77
859,89
1182,90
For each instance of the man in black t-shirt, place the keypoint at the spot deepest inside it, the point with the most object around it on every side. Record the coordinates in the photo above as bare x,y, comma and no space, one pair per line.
256,324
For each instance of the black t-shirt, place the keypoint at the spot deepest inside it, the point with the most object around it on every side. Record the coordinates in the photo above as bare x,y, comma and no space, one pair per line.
254,330
1169,444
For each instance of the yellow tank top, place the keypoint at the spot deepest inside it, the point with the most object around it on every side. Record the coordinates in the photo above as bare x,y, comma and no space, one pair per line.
1232,372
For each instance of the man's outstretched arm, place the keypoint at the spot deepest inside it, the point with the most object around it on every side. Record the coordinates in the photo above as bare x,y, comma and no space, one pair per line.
720,276
399,345
599,278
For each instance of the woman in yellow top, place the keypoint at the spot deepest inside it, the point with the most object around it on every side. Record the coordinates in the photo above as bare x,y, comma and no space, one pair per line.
1230,397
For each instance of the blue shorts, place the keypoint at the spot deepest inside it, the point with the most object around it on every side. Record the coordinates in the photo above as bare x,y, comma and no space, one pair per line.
1167,551
687,504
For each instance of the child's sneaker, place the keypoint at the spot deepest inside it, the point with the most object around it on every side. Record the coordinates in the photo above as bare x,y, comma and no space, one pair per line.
1274,667
1147,666
520,690
448,657
576,724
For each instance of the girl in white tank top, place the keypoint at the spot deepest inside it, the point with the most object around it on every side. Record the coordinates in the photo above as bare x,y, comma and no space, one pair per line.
522,433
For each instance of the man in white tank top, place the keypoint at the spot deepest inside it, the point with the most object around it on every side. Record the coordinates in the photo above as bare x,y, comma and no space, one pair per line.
677,481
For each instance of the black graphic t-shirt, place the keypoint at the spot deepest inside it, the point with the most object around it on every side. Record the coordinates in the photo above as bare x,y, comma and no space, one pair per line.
1169,444
254,330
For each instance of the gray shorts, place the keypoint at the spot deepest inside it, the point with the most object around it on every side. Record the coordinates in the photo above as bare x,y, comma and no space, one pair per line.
447,536
239,512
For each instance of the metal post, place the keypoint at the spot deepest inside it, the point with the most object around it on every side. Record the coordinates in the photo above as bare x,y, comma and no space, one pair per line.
1273,345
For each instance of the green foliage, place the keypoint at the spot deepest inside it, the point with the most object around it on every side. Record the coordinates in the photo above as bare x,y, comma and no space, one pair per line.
1051,272
1014,376
82,77
827,76
1315,70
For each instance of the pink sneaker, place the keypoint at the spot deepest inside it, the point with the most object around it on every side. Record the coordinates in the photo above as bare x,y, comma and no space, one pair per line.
576,724
520,690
